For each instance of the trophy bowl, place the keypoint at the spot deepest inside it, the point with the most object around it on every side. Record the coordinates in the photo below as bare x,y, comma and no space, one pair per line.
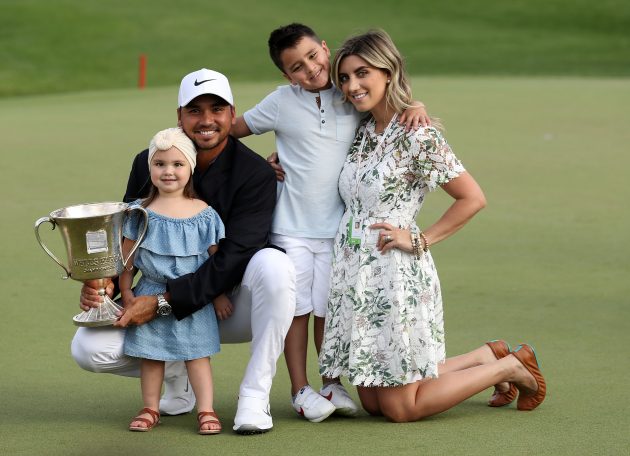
92,235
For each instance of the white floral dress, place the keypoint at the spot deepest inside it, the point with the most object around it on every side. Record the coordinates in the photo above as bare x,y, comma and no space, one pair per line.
384,322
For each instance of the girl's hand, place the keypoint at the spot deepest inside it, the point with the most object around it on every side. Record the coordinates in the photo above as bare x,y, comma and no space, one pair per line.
223,307
415,116
391,237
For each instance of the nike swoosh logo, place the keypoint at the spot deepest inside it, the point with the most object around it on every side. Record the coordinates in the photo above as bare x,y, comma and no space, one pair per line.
267,412
198,83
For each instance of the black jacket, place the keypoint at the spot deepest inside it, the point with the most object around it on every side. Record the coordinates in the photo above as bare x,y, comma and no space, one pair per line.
241,187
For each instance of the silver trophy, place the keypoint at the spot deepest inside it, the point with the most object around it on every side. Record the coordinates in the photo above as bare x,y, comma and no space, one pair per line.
92,234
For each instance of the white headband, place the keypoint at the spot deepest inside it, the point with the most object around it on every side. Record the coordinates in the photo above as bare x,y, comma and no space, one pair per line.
174,137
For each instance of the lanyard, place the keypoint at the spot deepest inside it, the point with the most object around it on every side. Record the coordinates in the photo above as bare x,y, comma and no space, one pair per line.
379,146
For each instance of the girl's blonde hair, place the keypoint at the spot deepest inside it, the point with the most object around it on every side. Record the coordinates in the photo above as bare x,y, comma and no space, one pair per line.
378,50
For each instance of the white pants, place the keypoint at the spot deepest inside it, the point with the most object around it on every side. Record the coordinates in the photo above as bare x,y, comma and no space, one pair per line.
264,306
312,258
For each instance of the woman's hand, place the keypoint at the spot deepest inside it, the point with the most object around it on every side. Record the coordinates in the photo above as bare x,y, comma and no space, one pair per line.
90,296
391,237
223,307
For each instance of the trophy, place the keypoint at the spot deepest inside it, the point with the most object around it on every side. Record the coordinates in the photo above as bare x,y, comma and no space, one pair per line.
92,234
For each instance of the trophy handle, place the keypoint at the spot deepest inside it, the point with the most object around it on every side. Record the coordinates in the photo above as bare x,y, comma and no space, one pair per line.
142,234
50,254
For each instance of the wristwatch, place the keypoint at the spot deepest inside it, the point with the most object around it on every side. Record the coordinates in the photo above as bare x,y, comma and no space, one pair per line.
164,308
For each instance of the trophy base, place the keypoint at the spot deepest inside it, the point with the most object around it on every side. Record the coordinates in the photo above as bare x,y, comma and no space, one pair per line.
104,315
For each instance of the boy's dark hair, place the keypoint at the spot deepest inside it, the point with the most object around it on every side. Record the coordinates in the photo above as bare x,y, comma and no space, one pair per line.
287,37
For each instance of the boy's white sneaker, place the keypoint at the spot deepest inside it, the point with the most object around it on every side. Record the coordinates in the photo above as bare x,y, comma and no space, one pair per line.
339,397
308,403
253,416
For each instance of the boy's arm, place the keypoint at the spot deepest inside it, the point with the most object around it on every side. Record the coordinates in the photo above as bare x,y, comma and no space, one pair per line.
240,128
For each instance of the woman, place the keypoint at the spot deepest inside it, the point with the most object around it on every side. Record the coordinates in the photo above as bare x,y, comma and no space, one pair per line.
384,323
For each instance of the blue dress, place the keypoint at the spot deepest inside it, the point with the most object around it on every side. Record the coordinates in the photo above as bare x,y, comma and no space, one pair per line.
172,248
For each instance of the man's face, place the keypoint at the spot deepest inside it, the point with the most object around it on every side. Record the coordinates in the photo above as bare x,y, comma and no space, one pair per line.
207,120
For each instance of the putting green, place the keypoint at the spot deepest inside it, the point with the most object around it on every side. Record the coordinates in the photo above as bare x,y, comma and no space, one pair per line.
546,262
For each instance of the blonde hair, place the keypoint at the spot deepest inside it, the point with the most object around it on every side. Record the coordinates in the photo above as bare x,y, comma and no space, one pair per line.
378,50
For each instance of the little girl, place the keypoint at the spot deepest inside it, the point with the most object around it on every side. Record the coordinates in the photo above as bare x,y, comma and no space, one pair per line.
182,232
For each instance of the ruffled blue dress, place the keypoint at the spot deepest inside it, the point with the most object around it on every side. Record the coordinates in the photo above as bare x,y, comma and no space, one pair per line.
172,248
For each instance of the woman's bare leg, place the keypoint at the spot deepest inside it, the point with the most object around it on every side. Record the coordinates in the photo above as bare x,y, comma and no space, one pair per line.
369,400
477,357
431,396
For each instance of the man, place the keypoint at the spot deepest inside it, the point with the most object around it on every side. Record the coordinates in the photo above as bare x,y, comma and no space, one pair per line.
241,187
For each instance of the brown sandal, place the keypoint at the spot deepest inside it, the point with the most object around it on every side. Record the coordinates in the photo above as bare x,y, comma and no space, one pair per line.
501,349
154,421
213,419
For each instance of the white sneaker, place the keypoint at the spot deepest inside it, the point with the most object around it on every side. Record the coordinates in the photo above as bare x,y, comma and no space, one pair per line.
178,395
339,397
253,416
311,405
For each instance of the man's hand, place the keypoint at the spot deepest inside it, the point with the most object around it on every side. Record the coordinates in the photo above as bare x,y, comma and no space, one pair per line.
90,296
274,162
140,310
127,297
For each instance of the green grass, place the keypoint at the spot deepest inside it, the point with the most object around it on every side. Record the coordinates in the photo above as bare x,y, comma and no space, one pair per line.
73,45
545,262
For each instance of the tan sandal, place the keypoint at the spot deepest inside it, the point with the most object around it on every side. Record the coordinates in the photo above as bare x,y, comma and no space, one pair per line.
154,421
213,419
529,400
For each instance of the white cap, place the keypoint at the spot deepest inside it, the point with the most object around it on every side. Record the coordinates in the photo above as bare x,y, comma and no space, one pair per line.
174,137
204,82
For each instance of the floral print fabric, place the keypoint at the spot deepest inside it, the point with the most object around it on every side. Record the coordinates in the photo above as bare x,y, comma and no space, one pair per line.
384,322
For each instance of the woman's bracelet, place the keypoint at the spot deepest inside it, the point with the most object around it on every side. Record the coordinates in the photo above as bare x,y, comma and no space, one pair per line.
425,248
415,245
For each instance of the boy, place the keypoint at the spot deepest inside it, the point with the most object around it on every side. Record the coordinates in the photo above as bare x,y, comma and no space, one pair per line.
314,129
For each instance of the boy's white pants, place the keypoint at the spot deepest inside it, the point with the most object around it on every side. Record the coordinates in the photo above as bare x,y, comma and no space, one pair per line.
264,306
